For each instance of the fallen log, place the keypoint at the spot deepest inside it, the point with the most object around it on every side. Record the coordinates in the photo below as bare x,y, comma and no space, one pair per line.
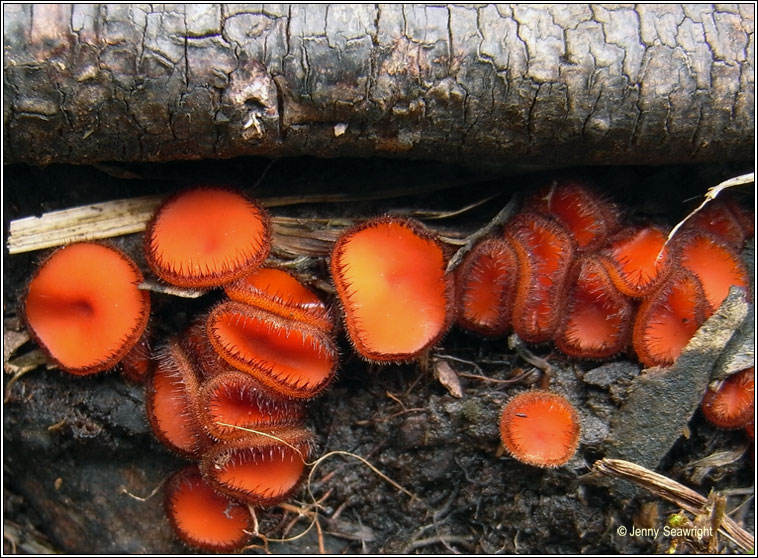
556,84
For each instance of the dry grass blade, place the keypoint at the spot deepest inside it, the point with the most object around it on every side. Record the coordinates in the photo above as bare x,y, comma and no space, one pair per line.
127,216
90,222
502,216
710,195
670,490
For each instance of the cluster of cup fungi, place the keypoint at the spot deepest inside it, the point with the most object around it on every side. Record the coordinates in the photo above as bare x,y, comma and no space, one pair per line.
229,393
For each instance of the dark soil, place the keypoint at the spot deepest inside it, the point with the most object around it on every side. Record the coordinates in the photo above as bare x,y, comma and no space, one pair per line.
77,451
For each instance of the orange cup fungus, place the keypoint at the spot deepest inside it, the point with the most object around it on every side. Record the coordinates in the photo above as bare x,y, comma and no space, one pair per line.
84,308
718,219
544,251
715,264
202,517
577,275
281,293
171,402
137,363
540,428
391,280
290,357
636,260
259,469
246,435
597,318
229,392
668,318
206,237
485,284
253,359
745,216
733,404
586,215
235,398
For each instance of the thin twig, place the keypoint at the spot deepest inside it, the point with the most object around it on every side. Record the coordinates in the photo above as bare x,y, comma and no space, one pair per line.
429,214
710,195
145,498
314,464
500,218
438,539
514,380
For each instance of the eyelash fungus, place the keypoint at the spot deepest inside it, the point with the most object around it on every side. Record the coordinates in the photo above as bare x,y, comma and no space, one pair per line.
206,237
391,282
540,428
84,309
229,393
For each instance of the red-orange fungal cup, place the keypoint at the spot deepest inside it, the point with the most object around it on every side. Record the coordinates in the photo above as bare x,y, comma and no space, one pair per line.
261,470
540,428
597,318
206,237
395,293
745,215
716,265
544,251
203,518
289,357
668,318
733,404
637,260
280,292
235,398
718,219
84,308
485,286
586,214
171,402
138,362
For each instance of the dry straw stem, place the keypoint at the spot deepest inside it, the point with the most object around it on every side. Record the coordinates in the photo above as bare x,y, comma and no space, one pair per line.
674,492
127,216
90,222
710,195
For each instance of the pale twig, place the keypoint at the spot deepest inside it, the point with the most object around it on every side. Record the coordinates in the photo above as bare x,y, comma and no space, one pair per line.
315,464
144,498
429,214
155,287
516,379
500,218
709,196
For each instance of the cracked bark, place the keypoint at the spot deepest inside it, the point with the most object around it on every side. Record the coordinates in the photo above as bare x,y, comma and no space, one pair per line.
562,84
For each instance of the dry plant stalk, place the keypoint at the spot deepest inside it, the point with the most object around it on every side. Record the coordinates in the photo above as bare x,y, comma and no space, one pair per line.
670,490
311,237
128,216
89,222
710,195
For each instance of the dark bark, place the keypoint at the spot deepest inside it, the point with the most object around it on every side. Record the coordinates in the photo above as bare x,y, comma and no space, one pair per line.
562,84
